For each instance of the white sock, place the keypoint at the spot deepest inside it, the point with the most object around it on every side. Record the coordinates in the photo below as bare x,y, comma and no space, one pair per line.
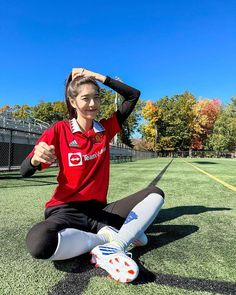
139,219
73,242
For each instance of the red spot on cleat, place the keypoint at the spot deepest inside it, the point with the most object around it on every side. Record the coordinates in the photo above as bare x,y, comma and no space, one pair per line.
116,259
117,270
131,272
111,261
128,280
126,263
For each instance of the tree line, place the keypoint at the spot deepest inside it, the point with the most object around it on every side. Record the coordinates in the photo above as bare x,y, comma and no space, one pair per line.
180,122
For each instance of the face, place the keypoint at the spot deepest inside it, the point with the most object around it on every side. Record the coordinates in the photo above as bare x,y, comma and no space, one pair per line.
87,102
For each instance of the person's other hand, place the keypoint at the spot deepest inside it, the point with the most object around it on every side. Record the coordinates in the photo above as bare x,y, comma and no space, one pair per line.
43,153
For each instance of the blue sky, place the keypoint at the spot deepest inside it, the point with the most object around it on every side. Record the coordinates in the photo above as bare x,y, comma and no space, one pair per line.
160,47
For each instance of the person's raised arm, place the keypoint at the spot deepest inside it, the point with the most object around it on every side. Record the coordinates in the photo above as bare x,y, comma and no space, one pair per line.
130,94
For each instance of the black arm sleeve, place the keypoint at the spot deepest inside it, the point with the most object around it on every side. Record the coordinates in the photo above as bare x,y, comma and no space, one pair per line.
27,169
130,94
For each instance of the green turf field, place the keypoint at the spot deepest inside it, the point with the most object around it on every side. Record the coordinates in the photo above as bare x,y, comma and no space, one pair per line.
191,246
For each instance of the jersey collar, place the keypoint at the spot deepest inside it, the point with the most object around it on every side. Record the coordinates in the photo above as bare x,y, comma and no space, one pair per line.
74,126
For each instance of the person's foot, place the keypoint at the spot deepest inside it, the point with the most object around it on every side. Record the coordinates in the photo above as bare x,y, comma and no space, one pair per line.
110,233
116,262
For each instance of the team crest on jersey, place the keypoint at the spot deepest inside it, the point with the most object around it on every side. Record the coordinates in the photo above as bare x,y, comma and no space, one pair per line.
97,138
75,159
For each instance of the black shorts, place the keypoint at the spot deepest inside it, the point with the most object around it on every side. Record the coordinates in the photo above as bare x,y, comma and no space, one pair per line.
88,216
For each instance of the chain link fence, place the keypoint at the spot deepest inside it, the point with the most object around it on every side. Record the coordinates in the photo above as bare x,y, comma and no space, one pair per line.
16,144
196,154
121,153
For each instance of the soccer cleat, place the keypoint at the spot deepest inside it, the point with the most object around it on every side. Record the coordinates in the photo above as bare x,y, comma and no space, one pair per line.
115,261
110,233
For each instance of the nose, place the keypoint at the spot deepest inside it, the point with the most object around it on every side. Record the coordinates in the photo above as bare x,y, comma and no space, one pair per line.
91,102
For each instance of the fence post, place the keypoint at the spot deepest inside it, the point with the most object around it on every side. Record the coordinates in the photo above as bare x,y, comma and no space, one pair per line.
9,152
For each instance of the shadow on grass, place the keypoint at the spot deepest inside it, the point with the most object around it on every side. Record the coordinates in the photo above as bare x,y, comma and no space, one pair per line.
168,234
21,182
18,176
33,183
204,163
80,271
175,212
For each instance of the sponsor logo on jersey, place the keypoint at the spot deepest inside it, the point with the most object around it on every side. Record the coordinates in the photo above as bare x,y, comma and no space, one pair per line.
75,159
95,155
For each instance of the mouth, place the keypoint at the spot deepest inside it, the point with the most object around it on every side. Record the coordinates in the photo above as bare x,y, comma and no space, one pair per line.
92,111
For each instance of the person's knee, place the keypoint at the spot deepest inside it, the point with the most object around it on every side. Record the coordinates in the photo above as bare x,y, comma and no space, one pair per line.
41,241
157,190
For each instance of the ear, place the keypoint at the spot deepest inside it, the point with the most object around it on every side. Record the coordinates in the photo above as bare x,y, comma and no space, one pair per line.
72,102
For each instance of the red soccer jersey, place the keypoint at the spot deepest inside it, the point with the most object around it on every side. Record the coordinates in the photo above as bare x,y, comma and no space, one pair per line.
83,158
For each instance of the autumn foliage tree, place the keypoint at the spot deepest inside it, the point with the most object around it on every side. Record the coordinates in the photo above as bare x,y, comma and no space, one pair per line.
206,112
168,122
5,108
151,113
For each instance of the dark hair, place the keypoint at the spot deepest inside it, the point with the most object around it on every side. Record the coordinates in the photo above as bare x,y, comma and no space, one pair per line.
72,90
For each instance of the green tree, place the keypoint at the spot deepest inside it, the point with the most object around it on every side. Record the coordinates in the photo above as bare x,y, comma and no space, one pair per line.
108,106
60,111
174,126
21,112
107,103
223,138
43,111
169,122
50,112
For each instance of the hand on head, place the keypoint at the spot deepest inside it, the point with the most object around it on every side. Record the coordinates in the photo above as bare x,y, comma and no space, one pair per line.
78,72
83,73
